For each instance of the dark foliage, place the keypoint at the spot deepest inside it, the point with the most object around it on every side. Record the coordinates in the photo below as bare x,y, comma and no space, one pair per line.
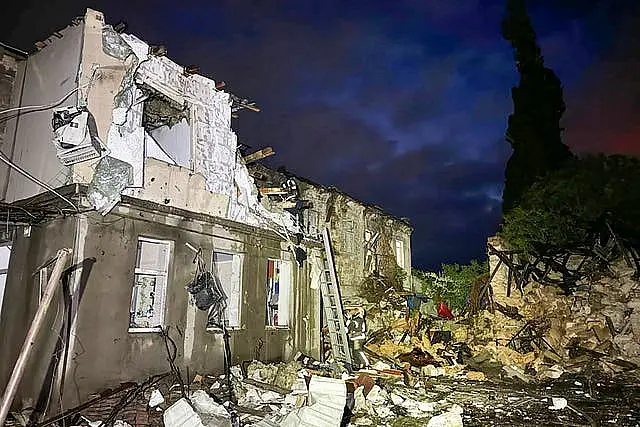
565,210
534,127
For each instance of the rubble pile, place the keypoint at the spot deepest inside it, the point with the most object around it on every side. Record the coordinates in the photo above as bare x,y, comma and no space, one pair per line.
544,333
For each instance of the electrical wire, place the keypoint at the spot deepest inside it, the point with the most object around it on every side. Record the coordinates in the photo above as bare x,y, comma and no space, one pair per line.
44,185
46,106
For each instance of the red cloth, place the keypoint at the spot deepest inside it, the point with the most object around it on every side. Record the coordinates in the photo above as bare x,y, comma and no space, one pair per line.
443,311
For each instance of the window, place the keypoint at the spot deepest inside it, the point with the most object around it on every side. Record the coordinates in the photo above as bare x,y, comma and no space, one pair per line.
150,285
400,253
370,258
348,237
5,254
278,291
313,223
227,267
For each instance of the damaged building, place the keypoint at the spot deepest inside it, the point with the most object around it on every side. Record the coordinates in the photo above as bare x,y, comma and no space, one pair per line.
112,150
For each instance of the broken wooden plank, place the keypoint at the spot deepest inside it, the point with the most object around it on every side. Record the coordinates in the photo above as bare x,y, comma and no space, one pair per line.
273,190
258,155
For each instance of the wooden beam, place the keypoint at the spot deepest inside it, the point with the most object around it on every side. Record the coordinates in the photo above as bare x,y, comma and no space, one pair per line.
260,154
273,190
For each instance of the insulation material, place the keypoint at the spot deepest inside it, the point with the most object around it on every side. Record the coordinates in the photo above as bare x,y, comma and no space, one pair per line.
109,179
113,44
125,138
214,149
214,143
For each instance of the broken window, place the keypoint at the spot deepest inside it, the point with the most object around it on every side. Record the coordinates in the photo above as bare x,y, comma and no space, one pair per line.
227,267
278,291
150,285
313,223
5,254
400,253
167,129
370,259
348,237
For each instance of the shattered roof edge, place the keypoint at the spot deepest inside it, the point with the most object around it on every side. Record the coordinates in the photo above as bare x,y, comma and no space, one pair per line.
21,54
334,189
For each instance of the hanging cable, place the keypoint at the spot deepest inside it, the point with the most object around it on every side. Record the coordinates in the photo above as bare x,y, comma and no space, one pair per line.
44,185
46,106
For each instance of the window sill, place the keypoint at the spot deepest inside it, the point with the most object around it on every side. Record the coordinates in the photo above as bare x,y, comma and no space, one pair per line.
277,328
144,330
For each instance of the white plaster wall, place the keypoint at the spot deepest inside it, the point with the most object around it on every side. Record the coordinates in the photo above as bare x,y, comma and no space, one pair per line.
51,73
179,187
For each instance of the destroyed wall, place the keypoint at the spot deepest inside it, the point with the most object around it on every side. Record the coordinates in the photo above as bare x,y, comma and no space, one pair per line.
51,74
387,246
32,247
594,327
351,224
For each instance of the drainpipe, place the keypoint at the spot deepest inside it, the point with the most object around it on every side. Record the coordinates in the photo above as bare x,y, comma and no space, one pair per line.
63,257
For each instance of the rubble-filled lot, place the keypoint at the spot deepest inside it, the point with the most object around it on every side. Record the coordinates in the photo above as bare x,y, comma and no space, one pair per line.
279,394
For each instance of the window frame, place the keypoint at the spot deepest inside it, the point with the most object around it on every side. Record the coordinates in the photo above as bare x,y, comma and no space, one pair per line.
240,266
138,271
288,293
400,254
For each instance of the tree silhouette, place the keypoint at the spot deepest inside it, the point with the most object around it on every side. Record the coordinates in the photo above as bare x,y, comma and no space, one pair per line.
534,127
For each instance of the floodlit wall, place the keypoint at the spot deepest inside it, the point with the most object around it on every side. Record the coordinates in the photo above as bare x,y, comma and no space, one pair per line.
103,352
51,73
11,77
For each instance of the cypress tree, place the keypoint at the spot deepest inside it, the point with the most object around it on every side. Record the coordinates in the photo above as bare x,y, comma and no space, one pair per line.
533,130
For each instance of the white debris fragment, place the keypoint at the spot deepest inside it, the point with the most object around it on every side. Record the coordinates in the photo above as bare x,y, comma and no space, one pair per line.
181,414
432,371
451,418
384,411
377,396
381,366
270,397
363,422
211,413
361,405
397,400
426,406
156,398
558,403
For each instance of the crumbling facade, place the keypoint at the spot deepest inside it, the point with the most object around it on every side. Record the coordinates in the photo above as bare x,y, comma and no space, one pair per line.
366,239
138,171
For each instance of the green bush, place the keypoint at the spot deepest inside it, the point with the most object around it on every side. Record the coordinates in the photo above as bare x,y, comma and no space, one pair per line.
453,283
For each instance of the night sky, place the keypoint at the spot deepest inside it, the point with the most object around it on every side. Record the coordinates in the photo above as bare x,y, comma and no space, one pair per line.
400,103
